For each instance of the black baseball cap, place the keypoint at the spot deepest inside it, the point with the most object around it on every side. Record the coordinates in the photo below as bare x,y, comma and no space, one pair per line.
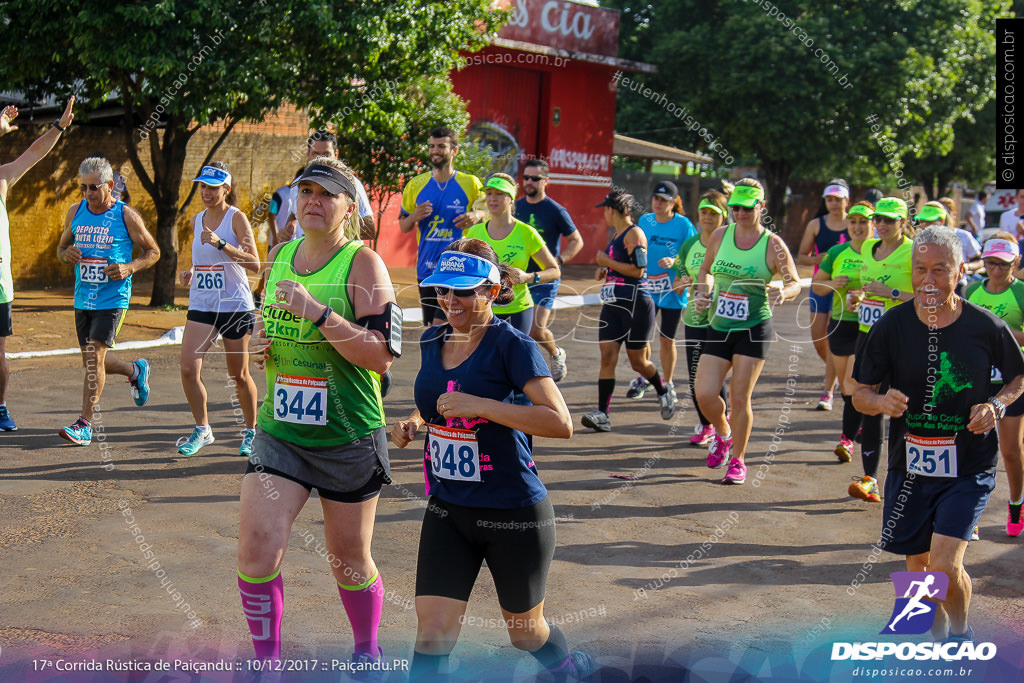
666,190
329,178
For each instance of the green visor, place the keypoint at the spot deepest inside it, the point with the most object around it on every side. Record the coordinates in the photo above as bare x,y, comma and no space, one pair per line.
502,185
930,214
708,204
859,210
891,207
745,196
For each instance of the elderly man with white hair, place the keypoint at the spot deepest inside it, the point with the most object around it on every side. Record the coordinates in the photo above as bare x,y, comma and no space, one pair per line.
936,353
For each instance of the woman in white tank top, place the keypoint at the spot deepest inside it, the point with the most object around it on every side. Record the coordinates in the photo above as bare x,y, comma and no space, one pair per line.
219,302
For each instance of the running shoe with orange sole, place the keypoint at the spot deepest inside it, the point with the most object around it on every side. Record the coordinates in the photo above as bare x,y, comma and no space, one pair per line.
865,488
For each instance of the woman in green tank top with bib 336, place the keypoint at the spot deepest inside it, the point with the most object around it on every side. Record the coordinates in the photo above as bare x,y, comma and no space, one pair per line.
885,282
711,213
735,282
1003,294
327,334
838,273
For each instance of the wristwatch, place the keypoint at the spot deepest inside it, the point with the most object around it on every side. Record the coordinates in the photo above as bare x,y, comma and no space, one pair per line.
56,124
221,245
536,278
895,294
999,407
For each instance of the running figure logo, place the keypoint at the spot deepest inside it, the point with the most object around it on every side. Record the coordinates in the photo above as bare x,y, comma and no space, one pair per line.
912,614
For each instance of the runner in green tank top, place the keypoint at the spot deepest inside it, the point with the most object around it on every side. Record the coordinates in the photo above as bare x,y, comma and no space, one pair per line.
738,267
711,213
885,282
1003,294
327,334
838,273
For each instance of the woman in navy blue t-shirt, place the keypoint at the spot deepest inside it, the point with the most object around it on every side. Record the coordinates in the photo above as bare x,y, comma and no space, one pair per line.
486,500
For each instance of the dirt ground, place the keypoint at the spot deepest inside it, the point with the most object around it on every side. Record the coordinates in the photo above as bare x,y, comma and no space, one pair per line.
667,577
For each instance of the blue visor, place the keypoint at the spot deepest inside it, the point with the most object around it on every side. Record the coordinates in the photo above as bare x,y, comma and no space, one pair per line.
459,270
213,176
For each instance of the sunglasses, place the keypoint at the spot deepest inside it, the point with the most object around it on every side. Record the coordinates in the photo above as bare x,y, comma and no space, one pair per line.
883,219
441,292
736,209
83,187
535,178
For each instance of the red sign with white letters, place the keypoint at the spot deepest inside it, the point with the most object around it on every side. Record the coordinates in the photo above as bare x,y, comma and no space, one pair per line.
563,24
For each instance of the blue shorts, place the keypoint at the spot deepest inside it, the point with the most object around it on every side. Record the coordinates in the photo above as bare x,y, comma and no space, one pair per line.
820,303
544,294
931,505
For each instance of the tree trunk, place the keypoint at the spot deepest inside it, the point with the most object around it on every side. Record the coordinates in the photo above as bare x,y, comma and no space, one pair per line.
776,175
171,163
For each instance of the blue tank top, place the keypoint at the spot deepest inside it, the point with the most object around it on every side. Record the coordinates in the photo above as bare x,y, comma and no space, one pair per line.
616,285
664,239
103,239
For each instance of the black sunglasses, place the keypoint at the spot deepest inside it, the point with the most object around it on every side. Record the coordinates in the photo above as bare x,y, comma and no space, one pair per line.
535,178
460,293
83,187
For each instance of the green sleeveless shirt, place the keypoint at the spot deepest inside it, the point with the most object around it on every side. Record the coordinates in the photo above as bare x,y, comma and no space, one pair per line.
741,277
315,397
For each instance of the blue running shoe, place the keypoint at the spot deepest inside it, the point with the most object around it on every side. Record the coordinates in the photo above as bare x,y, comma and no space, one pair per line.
195,441
6,423
140,385
245,449
79,433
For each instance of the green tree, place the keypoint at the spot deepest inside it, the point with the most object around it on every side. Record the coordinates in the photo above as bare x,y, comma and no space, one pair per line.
177,67
794,83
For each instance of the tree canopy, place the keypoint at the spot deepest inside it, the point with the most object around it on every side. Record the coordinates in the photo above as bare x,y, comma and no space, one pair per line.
178,66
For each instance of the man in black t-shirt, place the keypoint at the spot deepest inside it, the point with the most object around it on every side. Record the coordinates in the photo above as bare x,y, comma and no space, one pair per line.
936,353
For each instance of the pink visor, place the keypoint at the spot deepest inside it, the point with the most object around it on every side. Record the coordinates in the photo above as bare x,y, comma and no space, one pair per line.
1004,250
836,191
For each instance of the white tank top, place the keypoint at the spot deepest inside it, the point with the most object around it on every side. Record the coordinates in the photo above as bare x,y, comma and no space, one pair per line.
219,284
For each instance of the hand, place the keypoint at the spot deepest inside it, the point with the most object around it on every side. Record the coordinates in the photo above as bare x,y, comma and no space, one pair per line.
185,277
457,404
259,343
118,271
73,254
840,282
893,403
983,418
521,276
287,233
666,262
775,294
853,299
422,211
468,220
209,237
600,273
702,301
9,113
602,259
684,280
404,432
67,117
296,299
877,288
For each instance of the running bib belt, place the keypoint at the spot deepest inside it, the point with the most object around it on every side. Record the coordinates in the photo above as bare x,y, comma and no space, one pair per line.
454,453
741,278
893,271
219,283
517,250
315,397
842,261
103,239
691,256
931,457
449,200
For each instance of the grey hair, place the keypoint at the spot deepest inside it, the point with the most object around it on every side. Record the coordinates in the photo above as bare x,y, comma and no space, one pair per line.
943,237
97,165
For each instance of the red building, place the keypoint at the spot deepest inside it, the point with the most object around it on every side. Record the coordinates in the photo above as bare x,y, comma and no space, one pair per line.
544,88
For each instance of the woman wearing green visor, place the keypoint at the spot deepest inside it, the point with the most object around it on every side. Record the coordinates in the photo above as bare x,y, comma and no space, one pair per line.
735,283
515,243
839,273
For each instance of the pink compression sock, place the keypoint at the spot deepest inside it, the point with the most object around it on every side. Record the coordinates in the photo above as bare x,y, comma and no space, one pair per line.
263,605
363,605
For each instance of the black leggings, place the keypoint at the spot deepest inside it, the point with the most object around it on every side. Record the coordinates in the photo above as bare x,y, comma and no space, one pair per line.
518,545
870,426
695,337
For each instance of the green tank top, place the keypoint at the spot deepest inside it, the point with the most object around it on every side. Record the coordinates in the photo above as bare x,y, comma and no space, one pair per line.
842,260
691,256
1008,305
741,277
893,271
315,397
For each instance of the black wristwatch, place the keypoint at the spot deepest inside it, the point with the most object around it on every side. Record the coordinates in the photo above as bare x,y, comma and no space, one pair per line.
222,244
56,124
322,319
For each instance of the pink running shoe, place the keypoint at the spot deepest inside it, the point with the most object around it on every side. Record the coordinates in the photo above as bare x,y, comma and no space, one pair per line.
702,435
1014,520
737,472
844,451
719,452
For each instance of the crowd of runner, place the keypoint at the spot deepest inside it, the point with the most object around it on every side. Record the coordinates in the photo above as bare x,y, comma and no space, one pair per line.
913,317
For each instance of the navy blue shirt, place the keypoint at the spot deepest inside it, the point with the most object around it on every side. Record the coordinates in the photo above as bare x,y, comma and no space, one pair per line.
505,475
550,219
